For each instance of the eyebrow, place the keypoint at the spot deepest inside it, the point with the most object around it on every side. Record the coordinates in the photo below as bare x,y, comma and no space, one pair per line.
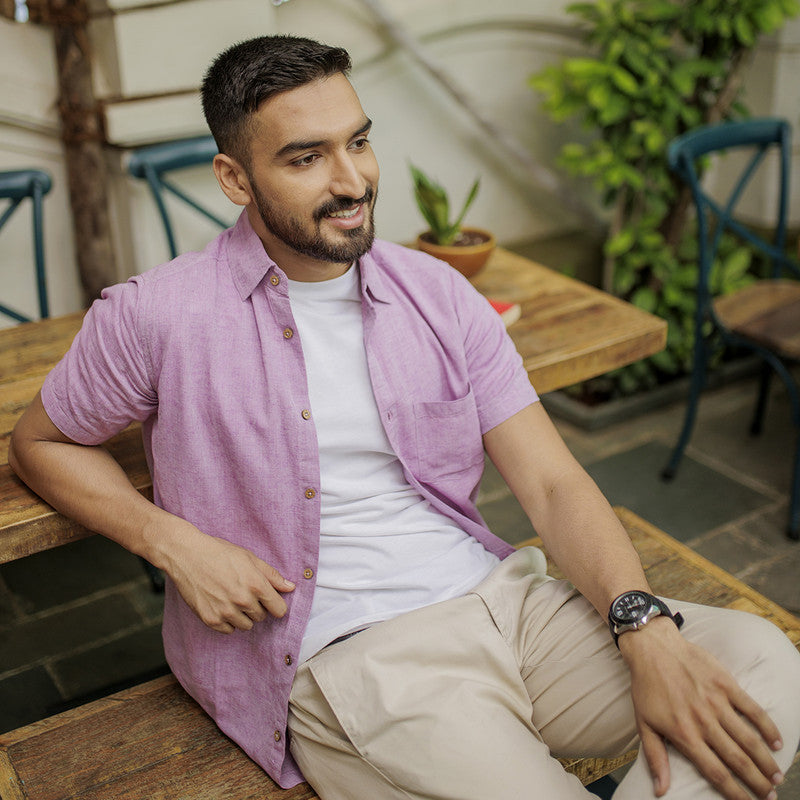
295,147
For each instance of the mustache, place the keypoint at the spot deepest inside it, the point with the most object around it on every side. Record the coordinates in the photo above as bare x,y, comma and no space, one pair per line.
343,203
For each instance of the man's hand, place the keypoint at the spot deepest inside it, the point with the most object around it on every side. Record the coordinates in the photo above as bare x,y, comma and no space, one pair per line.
225,585
683,695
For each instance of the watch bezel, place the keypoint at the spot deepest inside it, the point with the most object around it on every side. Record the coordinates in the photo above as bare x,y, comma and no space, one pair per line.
631,618
656,608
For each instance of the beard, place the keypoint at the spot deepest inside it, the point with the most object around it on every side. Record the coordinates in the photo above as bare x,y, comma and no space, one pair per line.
309,240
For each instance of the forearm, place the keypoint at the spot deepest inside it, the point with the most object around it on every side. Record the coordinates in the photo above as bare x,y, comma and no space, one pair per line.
577,525
86,484
586,539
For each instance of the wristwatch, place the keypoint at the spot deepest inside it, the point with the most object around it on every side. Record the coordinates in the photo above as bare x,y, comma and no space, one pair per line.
632,610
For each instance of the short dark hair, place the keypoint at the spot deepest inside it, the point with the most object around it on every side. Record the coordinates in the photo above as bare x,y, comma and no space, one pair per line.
248,73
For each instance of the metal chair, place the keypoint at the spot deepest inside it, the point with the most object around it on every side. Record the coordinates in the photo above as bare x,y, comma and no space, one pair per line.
152,165
15,186
763,317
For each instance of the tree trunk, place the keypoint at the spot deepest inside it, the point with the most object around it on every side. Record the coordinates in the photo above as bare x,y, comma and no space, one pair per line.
82,133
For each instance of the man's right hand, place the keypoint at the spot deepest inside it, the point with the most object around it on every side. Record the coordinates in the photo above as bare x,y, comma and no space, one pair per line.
227,586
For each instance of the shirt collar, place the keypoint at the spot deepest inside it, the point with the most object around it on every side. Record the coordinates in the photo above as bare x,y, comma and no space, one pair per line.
373,279
250,263
248,259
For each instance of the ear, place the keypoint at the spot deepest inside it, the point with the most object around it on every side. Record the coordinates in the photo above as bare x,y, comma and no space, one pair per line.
232,179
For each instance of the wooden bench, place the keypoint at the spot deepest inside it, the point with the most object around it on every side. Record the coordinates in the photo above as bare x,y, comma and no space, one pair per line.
153,741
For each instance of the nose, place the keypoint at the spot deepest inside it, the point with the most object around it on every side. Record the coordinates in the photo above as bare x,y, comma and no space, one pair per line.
346,179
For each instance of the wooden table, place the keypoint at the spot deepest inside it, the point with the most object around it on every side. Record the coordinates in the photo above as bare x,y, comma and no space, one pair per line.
568,332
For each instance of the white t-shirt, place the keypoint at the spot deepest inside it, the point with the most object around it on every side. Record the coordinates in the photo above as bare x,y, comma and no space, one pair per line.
383,549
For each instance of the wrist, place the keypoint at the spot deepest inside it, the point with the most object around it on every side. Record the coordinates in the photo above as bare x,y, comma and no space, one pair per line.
659,634
163,537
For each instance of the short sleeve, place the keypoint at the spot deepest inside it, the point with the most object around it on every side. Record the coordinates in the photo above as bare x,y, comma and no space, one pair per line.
104,382
498,378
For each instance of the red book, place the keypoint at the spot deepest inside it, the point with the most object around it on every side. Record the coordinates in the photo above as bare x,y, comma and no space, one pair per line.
509,312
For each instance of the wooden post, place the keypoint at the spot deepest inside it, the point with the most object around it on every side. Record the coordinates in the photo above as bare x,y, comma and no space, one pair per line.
83,136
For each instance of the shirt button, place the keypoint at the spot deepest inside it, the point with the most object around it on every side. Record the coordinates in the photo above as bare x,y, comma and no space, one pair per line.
288,661
310,494
305,414
308,573
288,333
277,736
274,280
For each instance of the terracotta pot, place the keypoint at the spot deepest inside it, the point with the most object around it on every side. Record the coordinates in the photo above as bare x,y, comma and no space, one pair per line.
467,259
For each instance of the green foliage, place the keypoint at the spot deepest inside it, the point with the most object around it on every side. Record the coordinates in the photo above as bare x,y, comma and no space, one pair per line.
434,206
657,69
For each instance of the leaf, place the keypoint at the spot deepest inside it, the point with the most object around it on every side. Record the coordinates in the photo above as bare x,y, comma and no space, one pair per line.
432,203
620,243
768,18
599,95
744,30
624,81
666,361
615,110
683,79
736,265
645,298
467,203
584,68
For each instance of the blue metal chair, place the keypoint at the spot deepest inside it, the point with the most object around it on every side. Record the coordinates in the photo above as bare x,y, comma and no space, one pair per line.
763,317
15,186
152,165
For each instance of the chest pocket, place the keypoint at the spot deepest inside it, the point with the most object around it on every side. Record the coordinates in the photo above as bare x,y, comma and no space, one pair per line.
448,438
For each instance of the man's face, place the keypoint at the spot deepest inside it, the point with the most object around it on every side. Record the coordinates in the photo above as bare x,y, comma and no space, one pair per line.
314,178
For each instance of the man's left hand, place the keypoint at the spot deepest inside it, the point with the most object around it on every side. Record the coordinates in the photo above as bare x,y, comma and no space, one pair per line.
683,695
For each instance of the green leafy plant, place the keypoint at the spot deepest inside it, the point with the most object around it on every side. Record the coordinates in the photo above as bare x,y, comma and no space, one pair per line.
434,206
656,69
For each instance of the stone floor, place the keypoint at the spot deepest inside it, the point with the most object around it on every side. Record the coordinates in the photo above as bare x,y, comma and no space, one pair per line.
80,621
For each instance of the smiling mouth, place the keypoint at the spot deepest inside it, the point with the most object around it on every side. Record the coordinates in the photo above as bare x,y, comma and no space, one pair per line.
346,214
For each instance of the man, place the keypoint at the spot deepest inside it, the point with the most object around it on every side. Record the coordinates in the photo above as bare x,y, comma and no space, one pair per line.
315,407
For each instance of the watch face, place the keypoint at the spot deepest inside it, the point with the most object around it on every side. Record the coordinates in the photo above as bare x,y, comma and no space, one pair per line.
630,606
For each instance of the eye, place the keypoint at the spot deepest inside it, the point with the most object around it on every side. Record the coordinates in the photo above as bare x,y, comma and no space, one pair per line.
305,161
360,144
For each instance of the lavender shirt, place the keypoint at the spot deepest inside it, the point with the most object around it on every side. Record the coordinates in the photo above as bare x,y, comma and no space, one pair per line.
203,352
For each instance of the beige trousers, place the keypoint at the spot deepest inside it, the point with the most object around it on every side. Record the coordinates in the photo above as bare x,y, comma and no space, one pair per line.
467,699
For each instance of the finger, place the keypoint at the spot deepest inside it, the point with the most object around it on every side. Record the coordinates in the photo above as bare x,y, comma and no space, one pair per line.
714,770
753,711
221,627
754,749
269,600
275,578
655,753
739,761
239,621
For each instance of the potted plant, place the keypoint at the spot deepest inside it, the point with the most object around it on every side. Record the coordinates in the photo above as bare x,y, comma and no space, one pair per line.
465,249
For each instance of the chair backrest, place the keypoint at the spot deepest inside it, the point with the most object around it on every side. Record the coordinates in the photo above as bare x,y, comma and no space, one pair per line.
153,163
715,218
15,186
